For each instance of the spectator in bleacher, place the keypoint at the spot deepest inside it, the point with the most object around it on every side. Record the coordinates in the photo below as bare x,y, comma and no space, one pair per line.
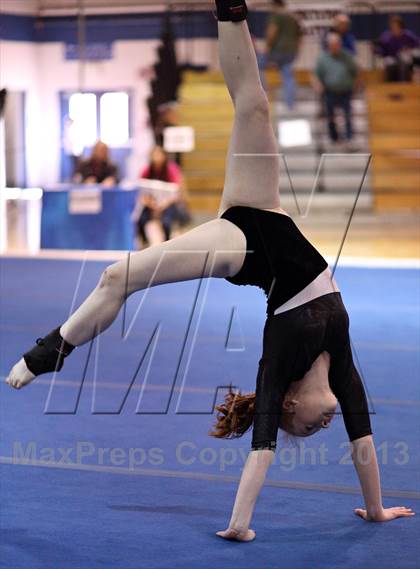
98,168
336,77
283,38
341,25
396,46
168,211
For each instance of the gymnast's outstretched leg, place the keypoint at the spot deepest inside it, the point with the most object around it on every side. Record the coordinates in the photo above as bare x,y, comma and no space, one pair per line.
252,169
216,249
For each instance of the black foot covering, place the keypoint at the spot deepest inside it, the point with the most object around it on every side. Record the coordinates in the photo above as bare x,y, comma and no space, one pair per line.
231,10
48,354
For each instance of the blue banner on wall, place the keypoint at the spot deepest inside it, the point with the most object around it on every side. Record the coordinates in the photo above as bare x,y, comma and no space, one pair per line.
93,51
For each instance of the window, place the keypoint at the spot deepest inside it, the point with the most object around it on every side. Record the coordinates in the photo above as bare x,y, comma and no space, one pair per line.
104,116
114,119
82,113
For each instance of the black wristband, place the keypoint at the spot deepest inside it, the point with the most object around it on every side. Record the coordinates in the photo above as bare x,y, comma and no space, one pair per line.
231,10
266,445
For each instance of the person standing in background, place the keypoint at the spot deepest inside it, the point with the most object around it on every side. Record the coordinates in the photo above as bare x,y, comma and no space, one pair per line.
167,117
283,37
341,25
336,77
396,46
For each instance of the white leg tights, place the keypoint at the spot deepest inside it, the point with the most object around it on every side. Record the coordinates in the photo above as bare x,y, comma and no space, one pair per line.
216,249
251,180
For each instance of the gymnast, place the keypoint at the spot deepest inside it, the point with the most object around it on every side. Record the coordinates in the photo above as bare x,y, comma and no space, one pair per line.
306,365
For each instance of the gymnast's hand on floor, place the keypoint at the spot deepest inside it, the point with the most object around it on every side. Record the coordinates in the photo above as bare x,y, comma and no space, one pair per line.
386,514
237,535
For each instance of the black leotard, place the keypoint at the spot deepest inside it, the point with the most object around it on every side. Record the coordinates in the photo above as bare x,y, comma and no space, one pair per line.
279,259
295,338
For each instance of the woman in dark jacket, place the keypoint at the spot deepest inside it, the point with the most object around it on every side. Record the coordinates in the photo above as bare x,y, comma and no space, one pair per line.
98,168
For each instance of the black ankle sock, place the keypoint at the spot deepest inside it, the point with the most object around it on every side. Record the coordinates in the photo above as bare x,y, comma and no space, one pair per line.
231,10
48,354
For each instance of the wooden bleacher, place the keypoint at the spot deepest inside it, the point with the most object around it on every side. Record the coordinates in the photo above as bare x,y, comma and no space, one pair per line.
206,106
394,124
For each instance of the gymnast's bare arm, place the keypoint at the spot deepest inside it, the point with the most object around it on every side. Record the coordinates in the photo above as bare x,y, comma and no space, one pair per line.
252,480
366,464
253,477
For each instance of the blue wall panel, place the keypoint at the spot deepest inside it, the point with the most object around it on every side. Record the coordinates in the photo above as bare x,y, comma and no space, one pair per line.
149,26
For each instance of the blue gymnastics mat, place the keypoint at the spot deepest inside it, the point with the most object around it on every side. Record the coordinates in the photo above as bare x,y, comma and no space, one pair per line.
109,464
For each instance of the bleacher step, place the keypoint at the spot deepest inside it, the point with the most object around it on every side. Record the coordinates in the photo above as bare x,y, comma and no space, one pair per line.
206,107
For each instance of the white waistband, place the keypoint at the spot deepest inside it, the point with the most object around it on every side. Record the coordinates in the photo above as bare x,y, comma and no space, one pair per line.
323,284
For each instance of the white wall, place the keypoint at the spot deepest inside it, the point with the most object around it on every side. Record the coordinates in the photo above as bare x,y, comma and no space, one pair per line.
42,72
123,71
20,72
